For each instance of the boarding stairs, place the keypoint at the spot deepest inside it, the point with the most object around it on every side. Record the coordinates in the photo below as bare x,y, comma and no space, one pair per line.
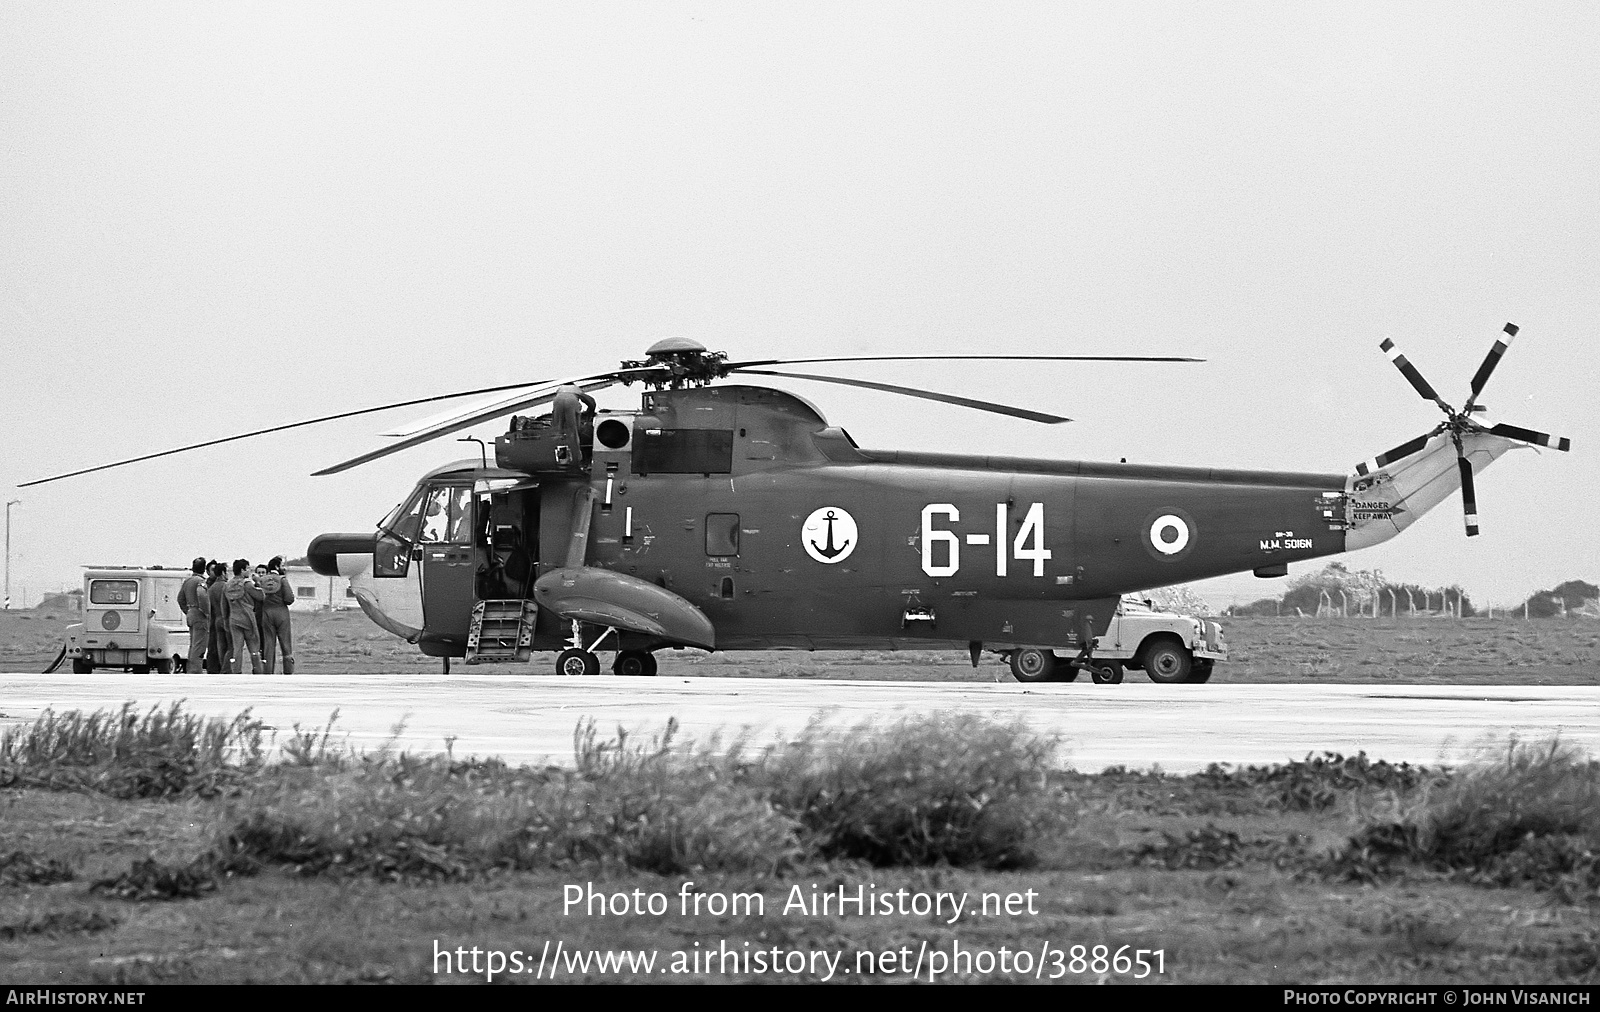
501,631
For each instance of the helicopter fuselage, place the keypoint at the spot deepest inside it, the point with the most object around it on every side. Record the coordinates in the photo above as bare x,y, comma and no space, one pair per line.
745,505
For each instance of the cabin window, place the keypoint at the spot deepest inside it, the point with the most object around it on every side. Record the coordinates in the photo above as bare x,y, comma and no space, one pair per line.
722,534
305,592
683,451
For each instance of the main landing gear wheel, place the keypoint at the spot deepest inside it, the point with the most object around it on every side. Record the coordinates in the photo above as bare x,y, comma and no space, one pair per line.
634,662
1030,664
1064,672
573,661
1106,672
1167,662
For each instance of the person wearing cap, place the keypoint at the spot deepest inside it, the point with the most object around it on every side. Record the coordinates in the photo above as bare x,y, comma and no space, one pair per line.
196,606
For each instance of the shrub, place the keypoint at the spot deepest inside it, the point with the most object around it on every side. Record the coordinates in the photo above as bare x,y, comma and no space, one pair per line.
649,806
944,789
938,789
1534,791
1531,816
164,753
21,868
1316,782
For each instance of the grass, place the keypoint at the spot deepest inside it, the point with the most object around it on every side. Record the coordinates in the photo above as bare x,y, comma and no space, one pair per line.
163,753
943,789
1530,816
1327,651
337,866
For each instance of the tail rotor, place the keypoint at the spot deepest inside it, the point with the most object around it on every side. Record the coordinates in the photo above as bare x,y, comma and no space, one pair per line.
1460,423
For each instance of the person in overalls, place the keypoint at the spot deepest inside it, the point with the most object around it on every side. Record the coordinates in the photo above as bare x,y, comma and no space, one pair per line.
242,595
217,659
196,606
275,630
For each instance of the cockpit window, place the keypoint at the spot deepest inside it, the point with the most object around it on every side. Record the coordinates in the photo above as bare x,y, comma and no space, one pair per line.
405,520
448,516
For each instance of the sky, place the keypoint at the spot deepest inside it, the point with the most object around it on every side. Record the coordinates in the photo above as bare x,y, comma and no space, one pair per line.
220,217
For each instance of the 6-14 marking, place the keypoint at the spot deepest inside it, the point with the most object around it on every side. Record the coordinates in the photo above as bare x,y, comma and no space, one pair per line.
1027,545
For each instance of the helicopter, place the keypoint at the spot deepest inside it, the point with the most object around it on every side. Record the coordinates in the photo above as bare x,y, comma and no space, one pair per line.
726,516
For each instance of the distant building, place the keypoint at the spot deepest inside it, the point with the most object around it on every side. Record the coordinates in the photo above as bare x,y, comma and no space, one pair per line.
313,592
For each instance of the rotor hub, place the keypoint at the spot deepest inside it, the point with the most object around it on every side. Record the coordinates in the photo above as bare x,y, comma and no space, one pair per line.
677,362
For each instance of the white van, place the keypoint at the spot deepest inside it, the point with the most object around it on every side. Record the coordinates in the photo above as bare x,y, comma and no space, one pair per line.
131,620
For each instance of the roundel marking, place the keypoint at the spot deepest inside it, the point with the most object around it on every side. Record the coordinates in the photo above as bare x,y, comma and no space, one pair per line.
1169,534
829,534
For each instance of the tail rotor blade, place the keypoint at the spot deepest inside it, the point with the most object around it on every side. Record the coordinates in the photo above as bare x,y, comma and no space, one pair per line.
1469,494
1411,374
1405,449
1486,370
1529,436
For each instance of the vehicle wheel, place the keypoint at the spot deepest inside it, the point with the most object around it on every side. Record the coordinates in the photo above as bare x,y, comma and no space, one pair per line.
573,661
1167,662
82,666
1200,671
162,666
634,662
140,669
1030,664
1107,672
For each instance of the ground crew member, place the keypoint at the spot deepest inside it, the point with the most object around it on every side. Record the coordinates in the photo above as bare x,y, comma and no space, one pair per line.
275,631
196,605
217,661
564,413
243,594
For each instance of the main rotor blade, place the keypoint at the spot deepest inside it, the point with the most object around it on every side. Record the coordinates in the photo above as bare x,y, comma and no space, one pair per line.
927,395
1530,436
282,428
437,425
1469,494
1410,372
1487,368
962,358
544,395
